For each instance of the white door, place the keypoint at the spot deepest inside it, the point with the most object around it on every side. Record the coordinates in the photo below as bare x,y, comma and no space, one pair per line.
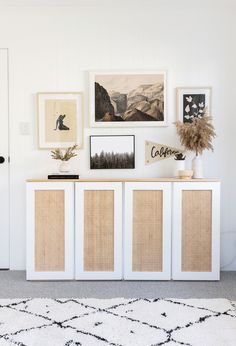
196,231
147,236
98,231
4,165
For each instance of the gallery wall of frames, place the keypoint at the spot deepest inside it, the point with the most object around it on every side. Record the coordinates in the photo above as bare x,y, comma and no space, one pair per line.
117,99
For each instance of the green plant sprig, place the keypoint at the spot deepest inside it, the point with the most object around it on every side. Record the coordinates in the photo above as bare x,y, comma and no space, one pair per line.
64,155
180,157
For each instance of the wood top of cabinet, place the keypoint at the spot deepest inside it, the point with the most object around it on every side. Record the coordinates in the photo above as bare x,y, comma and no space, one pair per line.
122,180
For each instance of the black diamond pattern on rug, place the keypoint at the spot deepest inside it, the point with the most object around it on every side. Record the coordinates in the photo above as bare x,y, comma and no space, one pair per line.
118,322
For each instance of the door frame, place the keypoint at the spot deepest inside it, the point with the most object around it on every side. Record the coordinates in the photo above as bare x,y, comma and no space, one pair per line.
4,100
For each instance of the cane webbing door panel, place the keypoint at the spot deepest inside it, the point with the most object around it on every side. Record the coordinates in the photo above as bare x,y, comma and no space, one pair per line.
50,231
147,231
196,244
99,230
98,239
196,226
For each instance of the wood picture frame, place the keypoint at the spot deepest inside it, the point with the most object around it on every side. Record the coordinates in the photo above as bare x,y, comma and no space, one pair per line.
60,119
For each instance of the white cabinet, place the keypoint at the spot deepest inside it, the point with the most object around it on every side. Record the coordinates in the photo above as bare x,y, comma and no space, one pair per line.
50,231
196,231
136,230
147,233
98,231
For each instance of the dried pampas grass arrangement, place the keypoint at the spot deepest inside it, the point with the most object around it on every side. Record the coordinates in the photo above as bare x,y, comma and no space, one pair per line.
197,136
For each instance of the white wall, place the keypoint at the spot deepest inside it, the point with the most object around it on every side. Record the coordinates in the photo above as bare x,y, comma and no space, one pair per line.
52,48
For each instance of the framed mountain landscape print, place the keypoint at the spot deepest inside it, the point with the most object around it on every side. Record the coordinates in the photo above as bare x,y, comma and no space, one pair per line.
60,120
123,99
192,103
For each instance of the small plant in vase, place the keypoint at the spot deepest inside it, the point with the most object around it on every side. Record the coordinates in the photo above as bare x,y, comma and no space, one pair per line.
180,163
197,136
64,155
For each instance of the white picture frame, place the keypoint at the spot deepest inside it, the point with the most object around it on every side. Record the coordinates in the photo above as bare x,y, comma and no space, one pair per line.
60,119
123,83
189,97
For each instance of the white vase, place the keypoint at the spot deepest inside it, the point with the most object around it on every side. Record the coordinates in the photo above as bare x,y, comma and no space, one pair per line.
179,166
197,167
64,167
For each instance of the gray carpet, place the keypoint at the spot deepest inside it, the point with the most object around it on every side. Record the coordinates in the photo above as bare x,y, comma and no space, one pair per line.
14,285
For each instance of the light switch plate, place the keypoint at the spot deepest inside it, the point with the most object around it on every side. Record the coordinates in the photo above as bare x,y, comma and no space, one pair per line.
24,128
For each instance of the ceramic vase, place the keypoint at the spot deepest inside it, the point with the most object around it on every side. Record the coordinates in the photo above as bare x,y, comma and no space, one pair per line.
197,167
64,167
179,166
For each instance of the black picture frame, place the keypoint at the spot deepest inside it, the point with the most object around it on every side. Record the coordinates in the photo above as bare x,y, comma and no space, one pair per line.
192,102
111,159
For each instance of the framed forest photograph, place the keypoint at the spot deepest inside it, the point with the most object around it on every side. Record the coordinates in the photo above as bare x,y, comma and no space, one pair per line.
60,119
192,103
112,152
128,99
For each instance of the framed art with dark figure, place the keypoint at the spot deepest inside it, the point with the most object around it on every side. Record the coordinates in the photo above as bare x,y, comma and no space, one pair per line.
192,103
112,152
128,98
60,119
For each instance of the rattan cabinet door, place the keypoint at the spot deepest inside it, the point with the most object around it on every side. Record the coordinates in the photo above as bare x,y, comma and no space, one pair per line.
147,236
98,231
196,231
50,231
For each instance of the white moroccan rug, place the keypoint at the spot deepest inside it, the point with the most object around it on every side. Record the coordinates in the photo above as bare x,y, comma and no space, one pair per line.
100,322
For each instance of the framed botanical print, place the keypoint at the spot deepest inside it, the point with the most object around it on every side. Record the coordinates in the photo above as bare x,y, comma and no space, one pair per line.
60,119
191,103
128,99
112,152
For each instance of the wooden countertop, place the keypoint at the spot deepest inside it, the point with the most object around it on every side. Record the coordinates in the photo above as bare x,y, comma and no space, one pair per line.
122,180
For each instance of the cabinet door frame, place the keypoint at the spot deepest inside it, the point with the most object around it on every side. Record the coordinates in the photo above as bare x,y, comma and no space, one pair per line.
80,273
177,273
68,273
129,274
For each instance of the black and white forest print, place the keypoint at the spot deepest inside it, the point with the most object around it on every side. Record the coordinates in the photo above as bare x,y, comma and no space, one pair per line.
117,322
112,152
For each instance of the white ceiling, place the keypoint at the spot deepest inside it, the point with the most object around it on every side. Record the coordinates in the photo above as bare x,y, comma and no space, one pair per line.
131,4
83,3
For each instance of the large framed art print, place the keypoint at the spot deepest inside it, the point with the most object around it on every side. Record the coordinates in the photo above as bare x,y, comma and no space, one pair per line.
60,119
128,99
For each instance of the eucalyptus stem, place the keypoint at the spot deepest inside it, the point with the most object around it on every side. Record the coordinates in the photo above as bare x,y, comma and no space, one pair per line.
64,155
